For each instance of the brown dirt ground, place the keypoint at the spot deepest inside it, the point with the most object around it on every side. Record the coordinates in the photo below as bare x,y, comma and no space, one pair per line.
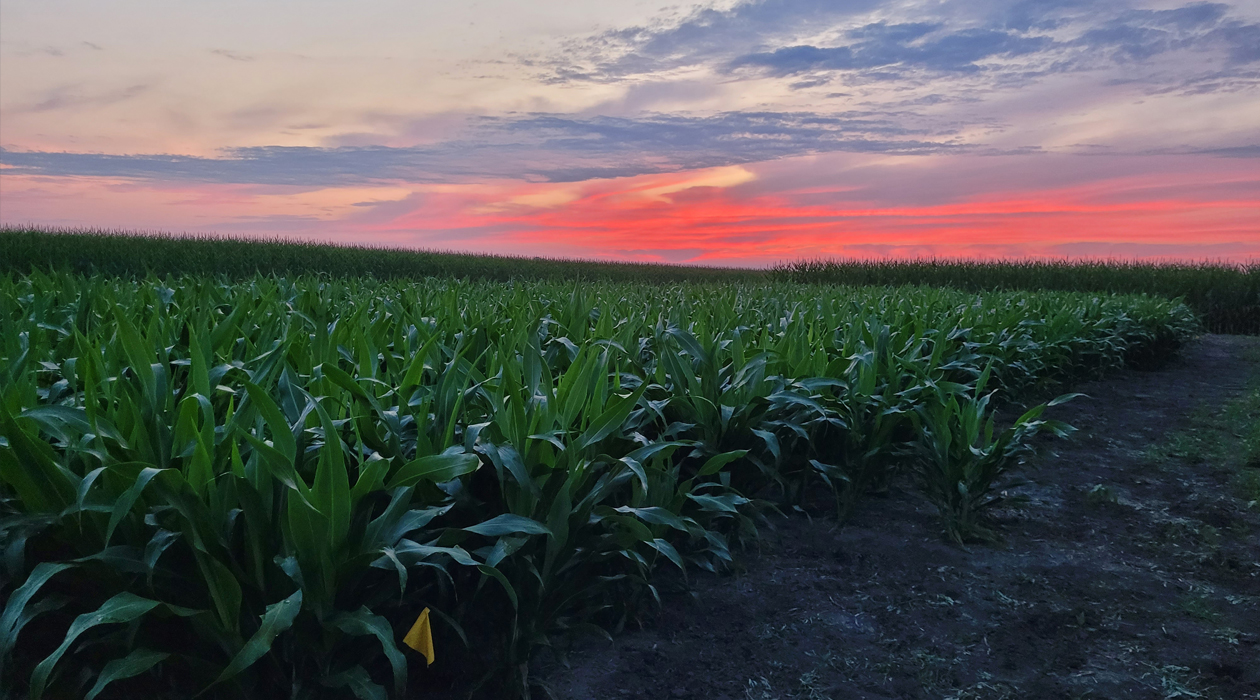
1145,587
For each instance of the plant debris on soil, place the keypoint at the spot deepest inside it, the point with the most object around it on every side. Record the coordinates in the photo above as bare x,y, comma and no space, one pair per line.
1131,570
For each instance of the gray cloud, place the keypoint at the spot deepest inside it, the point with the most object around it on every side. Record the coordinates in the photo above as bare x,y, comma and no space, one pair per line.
892,51
232,55
1252,151
812,82
916,45
950,38
73,97
551,148
704,35
1137,35
543,147
956,51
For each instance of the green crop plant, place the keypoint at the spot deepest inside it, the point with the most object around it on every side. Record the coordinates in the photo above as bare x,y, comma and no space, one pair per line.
211,515
878,380
1225,295
252,487
961,461
121,253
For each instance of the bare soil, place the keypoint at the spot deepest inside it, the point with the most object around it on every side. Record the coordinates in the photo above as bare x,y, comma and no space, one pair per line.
1133,571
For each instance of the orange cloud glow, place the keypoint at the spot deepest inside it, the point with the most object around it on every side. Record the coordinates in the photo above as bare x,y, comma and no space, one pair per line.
698,217
737,215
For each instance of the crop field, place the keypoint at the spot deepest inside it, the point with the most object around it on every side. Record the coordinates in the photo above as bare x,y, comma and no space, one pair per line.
307,486
124,253
1224,296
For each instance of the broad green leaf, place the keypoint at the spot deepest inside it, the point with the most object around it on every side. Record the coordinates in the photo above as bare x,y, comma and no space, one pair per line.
128,499
416,369
132,664
656,515
713,503
68,423
635,466
278,618
503,581
345,381
435,468
281,432
714,464
159,543
558,522
13,609
331,491
371,477
30,466
199,367
670,553
123,607
225,590
611,419
506,457
1065,398
363,622
140,357
308,529
772,443
508,524
689,344
360,682
410,551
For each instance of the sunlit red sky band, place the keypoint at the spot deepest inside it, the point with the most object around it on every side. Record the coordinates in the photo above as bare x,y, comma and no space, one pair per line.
729,133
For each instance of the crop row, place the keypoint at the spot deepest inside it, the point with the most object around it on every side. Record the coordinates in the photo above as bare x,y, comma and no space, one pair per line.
123,253
258,488
1225,296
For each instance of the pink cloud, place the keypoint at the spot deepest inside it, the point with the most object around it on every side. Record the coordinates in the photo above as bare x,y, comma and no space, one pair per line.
840,205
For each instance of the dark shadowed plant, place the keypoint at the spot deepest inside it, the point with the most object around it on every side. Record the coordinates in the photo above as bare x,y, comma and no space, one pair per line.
961,461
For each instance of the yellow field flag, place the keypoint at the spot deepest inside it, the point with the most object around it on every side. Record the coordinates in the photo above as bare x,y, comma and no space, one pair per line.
420,637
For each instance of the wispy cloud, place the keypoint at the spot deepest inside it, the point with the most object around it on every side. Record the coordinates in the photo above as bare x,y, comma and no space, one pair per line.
233,55
1012,43
913,46
700,36
77,97
542,147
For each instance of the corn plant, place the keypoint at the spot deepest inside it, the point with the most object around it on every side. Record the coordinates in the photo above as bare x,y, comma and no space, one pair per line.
961,461
255,488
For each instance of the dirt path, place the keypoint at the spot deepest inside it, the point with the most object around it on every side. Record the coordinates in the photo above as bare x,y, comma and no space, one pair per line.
1133,572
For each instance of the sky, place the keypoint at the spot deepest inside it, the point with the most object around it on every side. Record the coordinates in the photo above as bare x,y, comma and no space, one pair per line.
724,133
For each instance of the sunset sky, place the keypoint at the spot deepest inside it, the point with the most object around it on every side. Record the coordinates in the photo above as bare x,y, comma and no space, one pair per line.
727,133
